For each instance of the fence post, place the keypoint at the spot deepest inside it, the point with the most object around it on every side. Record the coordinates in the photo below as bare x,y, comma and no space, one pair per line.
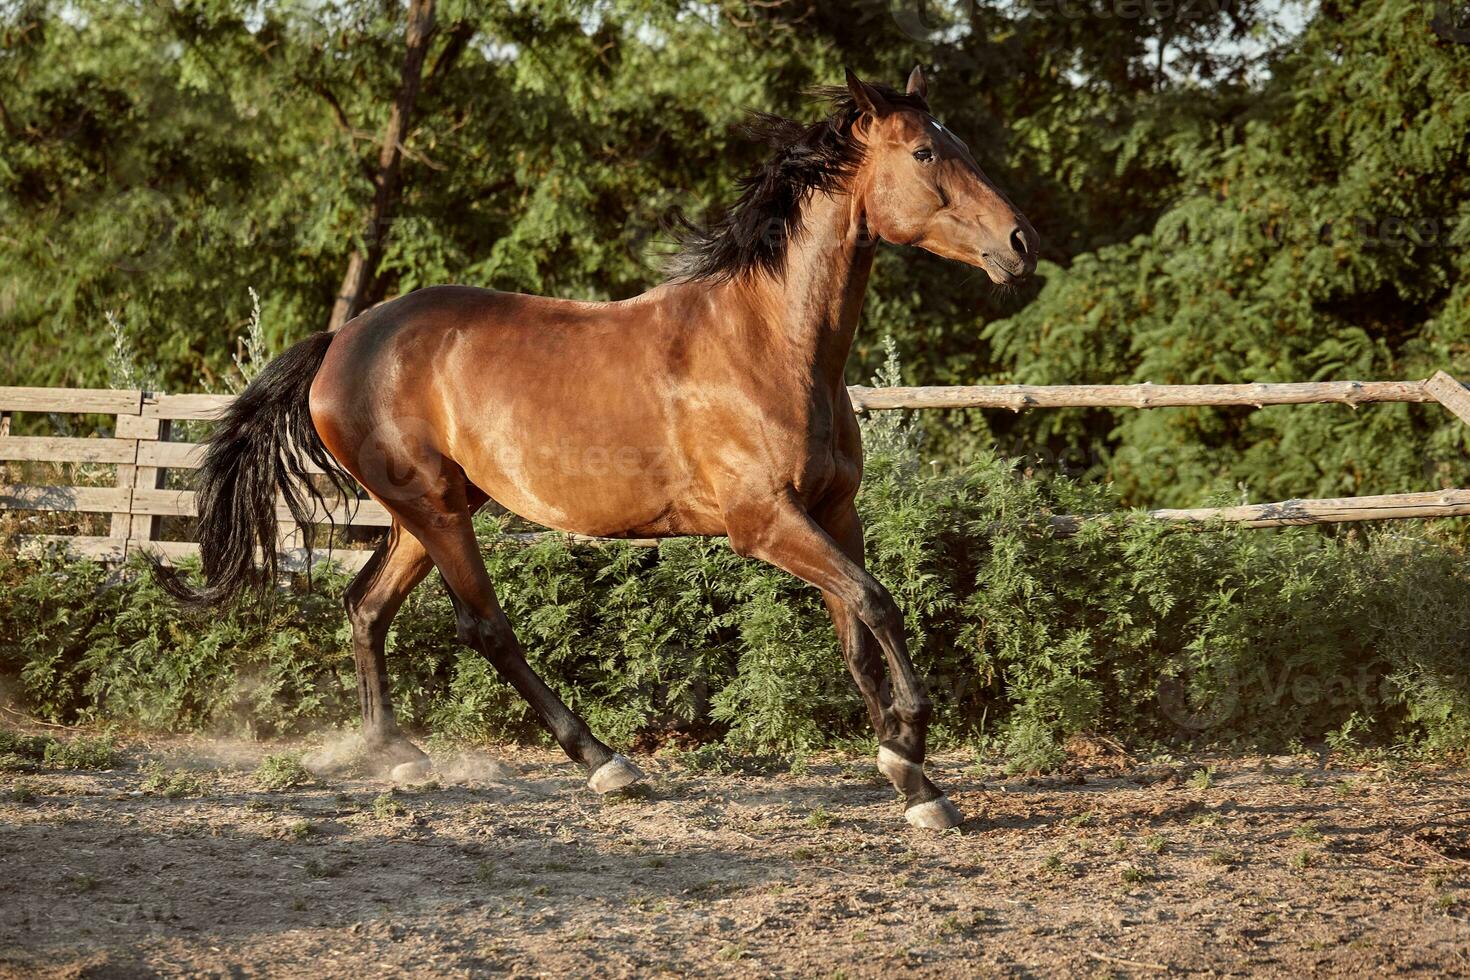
288,540
129,426
1451,394
138,528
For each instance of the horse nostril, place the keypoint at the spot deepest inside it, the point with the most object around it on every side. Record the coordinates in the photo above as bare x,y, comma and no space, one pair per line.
1018,242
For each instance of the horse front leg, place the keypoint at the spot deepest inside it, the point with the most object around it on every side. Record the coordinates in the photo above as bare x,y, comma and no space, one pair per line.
829,556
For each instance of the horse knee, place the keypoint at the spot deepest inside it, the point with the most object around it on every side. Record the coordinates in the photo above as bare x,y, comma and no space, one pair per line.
914,713
366,617
467,627
491,636
878,611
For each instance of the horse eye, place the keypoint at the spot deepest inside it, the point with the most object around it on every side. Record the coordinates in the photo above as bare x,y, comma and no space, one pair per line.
924,155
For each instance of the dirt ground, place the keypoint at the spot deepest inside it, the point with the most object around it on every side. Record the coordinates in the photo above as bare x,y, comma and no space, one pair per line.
1269,866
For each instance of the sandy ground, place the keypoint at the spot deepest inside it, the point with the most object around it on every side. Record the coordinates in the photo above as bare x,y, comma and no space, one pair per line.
1267,866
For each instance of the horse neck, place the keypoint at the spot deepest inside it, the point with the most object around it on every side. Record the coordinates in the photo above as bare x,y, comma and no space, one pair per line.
813,305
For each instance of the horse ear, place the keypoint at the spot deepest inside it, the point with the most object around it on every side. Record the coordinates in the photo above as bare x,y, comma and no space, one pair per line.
866,96
917,85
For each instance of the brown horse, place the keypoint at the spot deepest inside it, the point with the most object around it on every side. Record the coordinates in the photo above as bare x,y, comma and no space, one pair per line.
712,405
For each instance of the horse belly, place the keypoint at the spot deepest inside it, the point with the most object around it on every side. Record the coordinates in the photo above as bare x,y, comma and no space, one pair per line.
584,483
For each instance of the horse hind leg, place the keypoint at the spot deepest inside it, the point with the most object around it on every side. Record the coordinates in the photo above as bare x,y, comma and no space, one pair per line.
448,537
372,600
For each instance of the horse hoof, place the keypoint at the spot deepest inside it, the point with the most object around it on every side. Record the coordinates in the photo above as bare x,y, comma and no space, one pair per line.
614,774
938,814
395,757
411,772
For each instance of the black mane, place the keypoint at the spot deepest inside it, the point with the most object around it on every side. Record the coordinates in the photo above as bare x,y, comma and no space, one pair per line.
752,234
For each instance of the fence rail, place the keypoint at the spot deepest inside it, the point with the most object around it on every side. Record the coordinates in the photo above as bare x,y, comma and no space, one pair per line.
1018,398
141,449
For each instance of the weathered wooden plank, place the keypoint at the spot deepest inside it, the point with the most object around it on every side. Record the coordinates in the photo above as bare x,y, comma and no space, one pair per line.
136,427
183,455
362,513
1451,394
76,546
4,431
1291,513
87,500
51,449
171,455
81,401
166,549
122,520
165,503
181,503
293,560
1013,397
145,477
349,559
1020,397
205,407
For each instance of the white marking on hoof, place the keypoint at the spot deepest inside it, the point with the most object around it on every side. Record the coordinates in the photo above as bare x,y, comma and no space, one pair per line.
895,766
938,814
411,772
614,774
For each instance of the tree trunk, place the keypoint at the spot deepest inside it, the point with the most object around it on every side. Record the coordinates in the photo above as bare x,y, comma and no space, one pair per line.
359,284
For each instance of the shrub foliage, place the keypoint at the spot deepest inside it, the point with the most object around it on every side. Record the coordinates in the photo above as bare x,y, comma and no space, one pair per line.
1149,632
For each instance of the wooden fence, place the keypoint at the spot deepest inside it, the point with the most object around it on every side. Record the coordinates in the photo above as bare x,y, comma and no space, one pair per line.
141,449
143,453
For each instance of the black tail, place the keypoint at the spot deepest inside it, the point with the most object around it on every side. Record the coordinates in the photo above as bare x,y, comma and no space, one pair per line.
260,446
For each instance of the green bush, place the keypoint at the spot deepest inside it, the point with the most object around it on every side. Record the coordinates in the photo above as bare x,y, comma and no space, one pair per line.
172,784
28,753
284,771
1143,630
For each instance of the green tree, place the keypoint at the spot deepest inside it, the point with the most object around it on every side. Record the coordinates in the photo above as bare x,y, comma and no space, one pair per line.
1218,200
1318,231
